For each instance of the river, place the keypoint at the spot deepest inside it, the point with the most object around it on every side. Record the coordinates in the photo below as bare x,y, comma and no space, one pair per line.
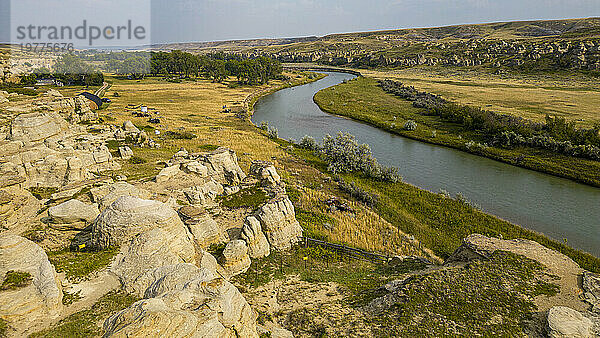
556,207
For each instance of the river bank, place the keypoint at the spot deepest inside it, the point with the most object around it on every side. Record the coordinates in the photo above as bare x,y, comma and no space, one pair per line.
378,110
501,189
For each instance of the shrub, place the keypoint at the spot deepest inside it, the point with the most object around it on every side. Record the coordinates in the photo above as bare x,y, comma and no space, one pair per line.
410,125
179,135
273,133
264,125
309,143
137,160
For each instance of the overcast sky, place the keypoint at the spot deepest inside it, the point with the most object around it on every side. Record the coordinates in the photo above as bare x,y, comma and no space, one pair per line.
208,20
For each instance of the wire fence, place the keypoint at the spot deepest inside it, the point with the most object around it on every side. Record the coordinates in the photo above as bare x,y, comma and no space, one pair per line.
346,251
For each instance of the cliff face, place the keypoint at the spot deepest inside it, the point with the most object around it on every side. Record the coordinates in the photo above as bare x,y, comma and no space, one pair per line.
542,54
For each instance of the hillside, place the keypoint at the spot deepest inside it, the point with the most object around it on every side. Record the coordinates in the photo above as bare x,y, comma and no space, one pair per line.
525,45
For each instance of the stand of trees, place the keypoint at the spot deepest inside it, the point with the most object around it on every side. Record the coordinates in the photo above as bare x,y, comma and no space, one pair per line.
216,66
70,70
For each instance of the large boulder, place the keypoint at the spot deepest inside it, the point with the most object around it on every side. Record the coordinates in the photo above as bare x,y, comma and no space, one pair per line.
204,194
265,172
565,322
157,281
258,246
203,227
105,195
167,173
204,307
235,259
148,250
130,216
73,211
129,127
28,306
223,166
33,127
279,223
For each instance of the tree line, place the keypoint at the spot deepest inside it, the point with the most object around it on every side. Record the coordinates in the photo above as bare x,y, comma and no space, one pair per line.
217,66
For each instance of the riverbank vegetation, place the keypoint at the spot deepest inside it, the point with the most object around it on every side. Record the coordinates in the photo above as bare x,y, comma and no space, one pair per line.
556,134
363,99
436,220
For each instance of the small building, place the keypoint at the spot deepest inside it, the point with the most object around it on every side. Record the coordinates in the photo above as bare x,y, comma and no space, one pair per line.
94,101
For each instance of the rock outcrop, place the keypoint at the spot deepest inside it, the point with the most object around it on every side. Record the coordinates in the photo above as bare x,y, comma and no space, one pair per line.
258,246
203,227
221,165
28,306
279,223
73,211
105,195
130,216
204,307
564,322
42,149
235,259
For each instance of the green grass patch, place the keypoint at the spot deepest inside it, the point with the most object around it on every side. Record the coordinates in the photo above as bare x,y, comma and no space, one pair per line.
485,298
179,135
208,147
251,197
70,298
308,220
77,265
86,323
3,327
324,266
137,160
14,280
42,193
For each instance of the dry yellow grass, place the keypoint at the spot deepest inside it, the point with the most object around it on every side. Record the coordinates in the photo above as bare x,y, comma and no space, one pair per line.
197,107
363,228
575,97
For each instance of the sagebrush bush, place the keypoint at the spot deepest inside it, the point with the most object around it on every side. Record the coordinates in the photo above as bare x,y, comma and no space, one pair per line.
410,125
309,143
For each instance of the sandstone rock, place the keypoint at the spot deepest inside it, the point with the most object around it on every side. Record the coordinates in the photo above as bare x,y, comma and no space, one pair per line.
157,281
73,211
204,229
105,195
235,258
204,194
33,127
195,167
130,128
11,174
258,246
41,300
167,173
129,216
566,322
279,223
125,152
223,166
591,290
265,172
203,308
148,250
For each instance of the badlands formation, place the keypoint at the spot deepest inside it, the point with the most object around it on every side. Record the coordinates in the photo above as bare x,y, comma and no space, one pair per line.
164,230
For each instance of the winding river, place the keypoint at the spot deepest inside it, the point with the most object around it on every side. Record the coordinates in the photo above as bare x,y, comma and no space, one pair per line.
557,207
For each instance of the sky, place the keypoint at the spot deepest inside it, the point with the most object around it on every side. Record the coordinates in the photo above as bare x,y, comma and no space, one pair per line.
211,20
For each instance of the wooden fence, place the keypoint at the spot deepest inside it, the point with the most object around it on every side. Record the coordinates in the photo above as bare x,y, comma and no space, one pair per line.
346,250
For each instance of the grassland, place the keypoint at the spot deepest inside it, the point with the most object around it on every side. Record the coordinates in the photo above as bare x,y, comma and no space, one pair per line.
573,95
441,223
363,100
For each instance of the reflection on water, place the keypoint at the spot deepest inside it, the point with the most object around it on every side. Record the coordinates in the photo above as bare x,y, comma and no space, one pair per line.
554,206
